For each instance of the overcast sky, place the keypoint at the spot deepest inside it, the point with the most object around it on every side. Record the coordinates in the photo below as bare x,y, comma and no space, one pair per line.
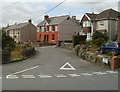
17,12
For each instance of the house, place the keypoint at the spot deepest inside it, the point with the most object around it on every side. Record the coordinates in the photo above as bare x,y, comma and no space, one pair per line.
118,36
105,22
89,24
22,32
57,29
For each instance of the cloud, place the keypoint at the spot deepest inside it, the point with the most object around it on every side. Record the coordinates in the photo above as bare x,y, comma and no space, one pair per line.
24,10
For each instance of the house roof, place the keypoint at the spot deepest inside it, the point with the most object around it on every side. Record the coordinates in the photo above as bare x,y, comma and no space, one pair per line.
108,14
17,26
54,20
92,16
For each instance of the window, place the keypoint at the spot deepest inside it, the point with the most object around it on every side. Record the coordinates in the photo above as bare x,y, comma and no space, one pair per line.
53,28
40,29
47,28
53,37
86,24
13,31
8,32
101,23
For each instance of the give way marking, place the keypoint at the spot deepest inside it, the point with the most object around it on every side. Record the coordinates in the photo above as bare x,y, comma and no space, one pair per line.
67,66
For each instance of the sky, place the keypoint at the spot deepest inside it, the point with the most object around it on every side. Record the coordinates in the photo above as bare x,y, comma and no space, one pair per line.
14,11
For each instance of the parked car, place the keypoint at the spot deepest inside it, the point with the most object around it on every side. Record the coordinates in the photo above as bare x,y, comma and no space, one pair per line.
111,46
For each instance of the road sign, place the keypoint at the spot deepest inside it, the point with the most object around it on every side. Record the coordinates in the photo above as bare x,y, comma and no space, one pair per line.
67,66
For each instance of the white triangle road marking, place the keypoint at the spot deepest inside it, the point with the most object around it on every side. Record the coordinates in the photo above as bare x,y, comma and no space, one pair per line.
71,67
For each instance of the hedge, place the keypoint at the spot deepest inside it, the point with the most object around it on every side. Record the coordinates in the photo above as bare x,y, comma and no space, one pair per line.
77,39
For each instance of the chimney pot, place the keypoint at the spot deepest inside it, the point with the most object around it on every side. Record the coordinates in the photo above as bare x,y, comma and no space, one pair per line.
74,17
46,17
29,20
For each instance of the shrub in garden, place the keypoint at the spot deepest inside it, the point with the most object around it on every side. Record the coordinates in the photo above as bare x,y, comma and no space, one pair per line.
98,35
98,42
77,39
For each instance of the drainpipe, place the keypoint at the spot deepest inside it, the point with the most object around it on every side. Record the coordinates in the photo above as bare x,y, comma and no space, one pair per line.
110,31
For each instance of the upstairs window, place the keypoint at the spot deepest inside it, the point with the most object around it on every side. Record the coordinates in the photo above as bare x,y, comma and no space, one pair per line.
40,29
53,28
86,24
101,23
47,28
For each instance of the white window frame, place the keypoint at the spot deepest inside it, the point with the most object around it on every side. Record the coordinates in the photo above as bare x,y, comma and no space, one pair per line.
101,23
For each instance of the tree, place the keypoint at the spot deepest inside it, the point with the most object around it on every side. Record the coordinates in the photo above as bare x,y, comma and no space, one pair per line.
98,35
7,41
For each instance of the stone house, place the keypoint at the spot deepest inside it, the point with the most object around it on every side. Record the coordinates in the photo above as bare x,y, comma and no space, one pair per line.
22,32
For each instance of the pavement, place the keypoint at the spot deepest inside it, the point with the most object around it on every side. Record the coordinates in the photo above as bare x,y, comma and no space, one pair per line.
57,69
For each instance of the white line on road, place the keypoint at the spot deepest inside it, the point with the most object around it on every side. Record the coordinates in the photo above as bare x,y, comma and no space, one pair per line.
11,77
86,74
112,71
28,76
99,73
74,75
45,76
24,70
60,75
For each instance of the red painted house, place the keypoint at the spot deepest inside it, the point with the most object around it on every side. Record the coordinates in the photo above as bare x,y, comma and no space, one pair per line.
54,29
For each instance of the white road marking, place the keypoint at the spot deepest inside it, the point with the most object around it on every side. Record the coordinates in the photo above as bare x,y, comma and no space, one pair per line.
86,74
28,76
24,70
45,76
11,77
112,71
99,73
60,75
74,75
71,67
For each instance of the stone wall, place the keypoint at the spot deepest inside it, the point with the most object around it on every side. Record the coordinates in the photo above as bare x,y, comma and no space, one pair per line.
28,52
67,45
98,59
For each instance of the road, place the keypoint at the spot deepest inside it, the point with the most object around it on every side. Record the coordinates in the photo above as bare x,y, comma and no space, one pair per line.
42,72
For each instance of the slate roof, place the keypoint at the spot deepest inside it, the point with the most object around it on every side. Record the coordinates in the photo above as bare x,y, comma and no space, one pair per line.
92,16
54,20
108,14
17,26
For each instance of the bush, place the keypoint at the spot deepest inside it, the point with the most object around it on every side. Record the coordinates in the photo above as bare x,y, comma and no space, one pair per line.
77,39
98,35
98,42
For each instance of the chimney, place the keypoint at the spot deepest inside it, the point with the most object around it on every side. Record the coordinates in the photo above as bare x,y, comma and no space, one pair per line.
15,23
30,21
46,17
7,25
74,17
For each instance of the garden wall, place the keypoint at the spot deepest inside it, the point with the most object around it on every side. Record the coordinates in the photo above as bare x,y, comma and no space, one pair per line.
98,59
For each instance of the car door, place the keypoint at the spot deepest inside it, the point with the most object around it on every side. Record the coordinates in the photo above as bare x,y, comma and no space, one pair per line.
105,48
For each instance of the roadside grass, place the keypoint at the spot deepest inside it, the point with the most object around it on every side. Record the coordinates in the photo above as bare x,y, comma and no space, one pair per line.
16,53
